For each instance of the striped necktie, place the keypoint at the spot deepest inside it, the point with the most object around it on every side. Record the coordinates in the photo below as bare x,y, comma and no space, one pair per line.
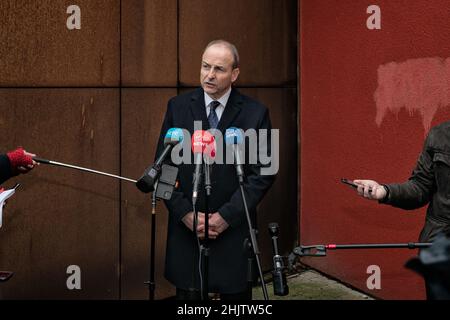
212,118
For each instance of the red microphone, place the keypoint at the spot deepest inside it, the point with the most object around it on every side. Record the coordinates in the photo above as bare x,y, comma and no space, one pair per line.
202,143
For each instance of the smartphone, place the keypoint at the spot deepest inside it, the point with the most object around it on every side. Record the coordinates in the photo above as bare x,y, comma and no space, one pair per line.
349,182
5,275
352,184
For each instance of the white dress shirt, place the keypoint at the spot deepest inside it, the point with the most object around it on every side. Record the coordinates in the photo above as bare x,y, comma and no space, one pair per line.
220,108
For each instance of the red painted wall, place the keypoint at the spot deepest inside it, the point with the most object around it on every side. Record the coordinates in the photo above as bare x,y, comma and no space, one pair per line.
368,97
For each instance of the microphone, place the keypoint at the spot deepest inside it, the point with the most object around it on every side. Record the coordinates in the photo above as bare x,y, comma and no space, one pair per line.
202,141
280,287
234,137
147,181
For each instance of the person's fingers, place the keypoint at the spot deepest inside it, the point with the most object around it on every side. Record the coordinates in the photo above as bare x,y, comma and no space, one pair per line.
201,234
367,191
201,215
360,189
213,233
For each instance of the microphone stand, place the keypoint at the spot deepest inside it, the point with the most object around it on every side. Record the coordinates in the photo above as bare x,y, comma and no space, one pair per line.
321,250
162,189
205,246
151,283
254,243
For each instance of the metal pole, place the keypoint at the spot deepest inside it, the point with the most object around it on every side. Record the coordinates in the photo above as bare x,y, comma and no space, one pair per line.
40,160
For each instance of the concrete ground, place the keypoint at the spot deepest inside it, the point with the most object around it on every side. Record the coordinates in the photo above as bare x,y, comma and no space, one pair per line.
311,285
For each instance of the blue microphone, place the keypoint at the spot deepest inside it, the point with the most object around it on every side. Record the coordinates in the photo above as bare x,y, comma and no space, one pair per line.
173,136
146,183
235,137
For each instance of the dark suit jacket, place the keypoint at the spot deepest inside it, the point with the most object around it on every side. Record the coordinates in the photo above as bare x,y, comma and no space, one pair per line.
228,259
5,168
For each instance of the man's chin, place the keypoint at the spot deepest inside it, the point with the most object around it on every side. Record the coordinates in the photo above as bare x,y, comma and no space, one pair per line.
209,90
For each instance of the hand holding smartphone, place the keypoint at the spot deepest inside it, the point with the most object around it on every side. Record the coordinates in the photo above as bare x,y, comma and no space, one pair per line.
351,184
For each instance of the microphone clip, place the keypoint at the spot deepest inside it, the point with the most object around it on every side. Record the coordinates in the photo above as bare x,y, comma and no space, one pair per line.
167,182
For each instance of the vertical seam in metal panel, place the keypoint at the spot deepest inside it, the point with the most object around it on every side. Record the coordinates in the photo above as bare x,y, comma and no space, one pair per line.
178,47
299,124
120,149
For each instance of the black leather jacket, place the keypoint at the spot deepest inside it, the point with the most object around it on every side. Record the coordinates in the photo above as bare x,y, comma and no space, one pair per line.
5,170
429,183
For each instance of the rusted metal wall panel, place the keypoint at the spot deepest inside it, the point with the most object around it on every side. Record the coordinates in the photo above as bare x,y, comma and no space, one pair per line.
264,31
149,43
61,217
37,48
142,115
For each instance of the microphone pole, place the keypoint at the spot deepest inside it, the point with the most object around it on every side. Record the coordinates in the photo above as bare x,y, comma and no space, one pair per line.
207,171
254,242
61,164
234,137
202,141
151,283
154,173
280,287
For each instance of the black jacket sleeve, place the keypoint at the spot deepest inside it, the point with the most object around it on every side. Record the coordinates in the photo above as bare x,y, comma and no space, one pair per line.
256,184
418,190
5,168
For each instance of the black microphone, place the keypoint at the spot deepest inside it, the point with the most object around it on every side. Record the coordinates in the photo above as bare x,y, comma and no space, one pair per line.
280,287
147,181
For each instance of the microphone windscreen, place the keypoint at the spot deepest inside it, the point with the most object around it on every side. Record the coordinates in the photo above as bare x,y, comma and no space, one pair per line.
173,136
145,183
202,140
234,135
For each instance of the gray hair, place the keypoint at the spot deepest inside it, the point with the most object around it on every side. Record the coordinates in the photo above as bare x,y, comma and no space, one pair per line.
230,47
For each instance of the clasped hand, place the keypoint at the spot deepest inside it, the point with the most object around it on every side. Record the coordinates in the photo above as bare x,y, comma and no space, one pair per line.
216,224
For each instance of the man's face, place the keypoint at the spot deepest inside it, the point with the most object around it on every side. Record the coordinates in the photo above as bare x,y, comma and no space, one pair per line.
217,73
